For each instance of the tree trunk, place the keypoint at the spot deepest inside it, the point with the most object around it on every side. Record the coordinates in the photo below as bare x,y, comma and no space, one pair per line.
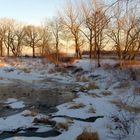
90,45
57,54
33,51
98,58
8,51
77,50
1,47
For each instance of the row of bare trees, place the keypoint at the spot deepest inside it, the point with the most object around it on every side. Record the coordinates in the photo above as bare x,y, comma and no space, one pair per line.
91,24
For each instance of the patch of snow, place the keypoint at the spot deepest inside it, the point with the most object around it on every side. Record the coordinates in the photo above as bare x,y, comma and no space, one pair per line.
17,105
15,121
14,103
43,129
11,100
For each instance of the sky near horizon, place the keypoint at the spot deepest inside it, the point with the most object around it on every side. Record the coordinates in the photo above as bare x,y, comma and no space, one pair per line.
30,11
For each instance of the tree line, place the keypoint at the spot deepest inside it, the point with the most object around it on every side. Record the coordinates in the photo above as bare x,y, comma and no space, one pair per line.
92,24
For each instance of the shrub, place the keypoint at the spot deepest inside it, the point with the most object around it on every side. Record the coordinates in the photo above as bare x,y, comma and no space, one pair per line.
85,135
125,106
62,126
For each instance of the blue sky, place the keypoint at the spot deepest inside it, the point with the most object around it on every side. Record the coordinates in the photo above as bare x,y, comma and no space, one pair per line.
30,11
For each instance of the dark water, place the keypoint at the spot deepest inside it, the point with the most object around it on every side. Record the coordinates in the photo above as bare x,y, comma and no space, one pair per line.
42,96
30,133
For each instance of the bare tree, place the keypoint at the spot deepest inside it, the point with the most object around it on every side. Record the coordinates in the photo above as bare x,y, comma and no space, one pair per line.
32,37
88,30
44,44
7,28
100,23
16,43
125,31
2,35
56,29
72,22
95,21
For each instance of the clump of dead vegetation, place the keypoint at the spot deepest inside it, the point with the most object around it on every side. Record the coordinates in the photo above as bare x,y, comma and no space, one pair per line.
106,93
91,110
93,94
1,78
80,78
77,106
25,70
86,135
90,86
30,113
51,71
2,65
123,84
129,64
125,106
45,121
62,126
137,90
123,124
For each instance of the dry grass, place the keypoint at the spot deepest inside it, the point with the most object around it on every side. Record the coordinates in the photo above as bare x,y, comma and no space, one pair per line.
137,90
129,64
81,79
91,110
92,86
44,61
78,78
2,65
1,78
124,106
33,113
84,79
85,135
42,121
107,66
94,95
124,84
62,126
57,69
77,106
30,113
25,70
106,93
62,58
51,71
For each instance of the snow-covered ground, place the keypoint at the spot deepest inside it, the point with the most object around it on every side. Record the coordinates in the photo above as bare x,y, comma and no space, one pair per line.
23,69
106,91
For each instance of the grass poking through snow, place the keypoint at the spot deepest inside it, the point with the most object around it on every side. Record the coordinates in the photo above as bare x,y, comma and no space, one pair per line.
92,110
125,106
62,126
77,106
85,135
